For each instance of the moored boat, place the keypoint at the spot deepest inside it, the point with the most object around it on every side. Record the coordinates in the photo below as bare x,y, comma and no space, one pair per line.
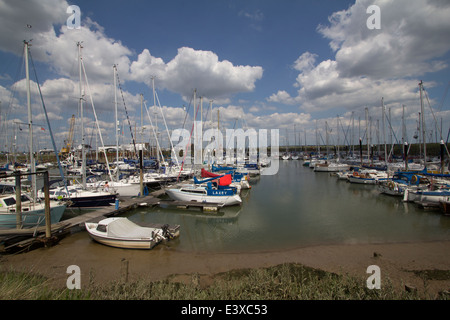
122,233
32,212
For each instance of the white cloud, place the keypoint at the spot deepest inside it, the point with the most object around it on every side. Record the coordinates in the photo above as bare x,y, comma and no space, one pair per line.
370,64
305,62
282,96
196,69
40,15
412,38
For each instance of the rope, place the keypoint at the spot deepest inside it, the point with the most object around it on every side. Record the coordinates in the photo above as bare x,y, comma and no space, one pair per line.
126,112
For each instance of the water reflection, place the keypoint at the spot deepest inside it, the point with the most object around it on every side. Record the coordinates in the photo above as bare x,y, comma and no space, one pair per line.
298,207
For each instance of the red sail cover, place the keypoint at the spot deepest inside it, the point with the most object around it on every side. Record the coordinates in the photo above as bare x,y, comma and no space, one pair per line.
225,180
207,174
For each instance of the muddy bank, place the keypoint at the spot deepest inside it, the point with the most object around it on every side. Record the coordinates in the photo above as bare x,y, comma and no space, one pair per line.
424,265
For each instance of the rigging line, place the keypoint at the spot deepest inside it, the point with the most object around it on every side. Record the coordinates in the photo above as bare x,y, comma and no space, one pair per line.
392,129
187,146
126,112
443,98
48,124
187,111
20,68
435,121
154,133
96,120
167,129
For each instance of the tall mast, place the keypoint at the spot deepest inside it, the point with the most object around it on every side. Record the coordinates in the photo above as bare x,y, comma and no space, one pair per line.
423,126
212,151
83,151
337,132
201,131
156,120
117,123
30,122
384,130
367,134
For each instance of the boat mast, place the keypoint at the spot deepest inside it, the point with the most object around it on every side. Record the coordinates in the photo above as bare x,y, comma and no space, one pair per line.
423,126
156,122
384,130
83,151
30,123
367,135
117,123
337,132
201,131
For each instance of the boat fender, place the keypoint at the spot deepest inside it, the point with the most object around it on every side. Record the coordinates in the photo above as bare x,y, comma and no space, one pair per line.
355,174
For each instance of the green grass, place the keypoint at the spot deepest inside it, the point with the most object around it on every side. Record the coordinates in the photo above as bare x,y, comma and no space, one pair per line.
282,282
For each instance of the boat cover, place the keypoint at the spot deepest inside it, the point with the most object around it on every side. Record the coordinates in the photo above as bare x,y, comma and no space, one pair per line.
207,174
124,228
224,180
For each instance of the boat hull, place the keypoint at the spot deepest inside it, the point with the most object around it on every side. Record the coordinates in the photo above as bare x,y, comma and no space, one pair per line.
32,218
176,194
128,235
98,201
124,243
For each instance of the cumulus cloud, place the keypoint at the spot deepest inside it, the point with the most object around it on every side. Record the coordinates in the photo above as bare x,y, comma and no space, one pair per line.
370,64
56,46
305,62
198,69
412,38
25,20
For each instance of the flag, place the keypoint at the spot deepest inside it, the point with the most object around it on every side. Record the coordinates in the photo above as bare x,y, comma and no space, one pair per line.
42,129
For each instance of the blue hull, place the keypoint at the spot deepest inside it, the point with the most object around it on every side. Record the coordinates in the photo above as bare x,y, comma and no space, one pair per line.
33,218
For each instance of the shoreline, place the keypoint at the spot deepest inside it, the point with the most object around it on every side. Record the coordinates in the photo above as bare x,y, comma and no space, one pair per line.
402,264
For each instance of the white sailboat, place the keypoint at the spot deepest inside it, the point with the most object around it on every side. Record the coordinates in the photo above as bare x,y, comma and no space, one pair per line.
32,211
78,194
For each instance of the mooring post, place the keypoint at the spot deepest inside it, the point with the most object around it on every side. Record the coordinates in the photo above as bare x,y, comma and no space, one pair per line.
48,221
18,202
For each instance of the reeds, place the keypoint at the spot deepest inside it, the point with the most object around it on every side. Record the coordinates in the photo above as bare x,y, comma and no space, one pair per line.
283,282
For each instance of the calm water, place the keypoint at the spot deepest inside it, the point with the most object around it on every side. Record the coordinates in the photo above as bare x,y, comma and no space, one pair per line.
298,207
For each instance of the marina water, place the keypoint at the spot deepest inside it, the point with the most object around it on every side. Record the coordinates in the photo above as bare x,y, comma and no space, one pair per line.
299,207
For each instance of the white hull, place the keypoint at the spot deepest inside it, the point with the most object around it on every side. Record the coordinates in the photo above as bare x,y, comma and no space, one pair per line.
124,244
330,167
359,180
176,194
127,235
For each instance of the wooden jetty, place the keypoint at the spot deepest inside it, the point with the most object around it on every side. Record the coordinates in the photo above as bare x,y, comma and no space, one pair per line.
24,239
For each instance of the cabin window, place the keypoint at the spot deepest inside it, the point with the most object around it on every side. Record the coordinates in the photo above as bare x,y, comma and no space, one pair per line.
9,201
194,191
101,227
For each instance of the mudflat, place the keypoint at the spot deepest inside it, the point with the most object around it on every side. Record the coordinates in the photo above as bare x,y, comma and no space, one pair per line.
409,265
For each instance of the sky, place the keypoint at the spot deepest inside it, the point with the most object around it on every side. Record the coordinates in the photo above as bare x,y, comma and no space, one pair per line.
293,65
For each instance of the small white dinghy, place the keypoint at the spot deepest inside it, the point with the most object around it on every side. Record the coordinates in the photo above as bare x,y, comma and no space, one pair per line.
122,233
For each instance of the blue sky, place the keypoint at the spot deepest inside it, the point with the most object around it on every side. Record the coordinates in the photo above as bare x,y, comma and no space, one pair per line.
265,64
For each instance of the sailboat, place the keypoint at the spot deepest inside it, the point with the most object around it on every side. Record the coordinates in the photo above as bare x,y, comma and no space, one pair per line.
122,187
32,211
208,191
239,180
78,195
